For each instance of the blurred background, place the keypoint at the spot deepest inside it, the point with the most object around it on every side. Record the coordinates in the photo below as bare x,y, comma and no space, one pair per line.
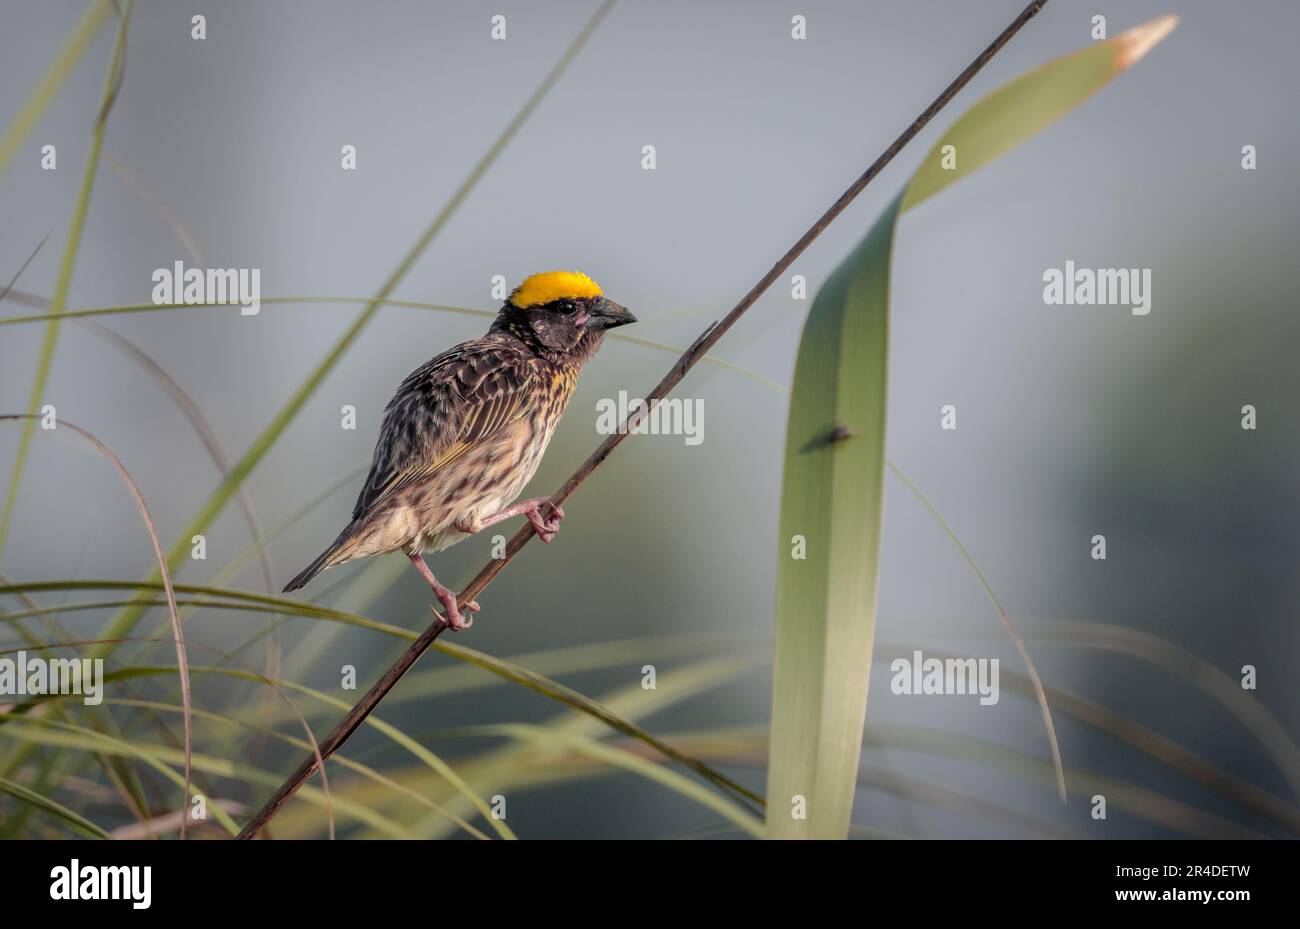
1072,420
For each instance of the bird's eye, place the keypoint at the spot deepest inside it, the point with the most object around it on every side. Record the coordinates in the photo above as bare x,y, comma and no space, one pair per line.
567,308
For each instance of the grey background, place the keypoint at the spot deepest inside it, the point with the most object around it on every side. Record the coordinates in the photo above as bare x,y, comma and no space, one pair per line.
1072,420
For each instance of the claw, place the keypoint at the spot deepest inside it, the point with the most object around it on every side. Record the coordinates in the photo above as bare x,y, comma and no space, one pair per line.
454,618
545,526
446,596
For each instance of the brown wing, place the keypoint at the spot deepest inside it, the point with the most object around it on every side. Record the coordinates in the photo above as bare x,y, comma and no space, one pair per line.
441,410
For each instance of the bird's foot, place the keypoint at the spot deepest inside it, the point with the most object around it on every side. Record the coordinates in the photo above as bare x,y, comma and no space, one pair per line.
446,596
545,526
454,618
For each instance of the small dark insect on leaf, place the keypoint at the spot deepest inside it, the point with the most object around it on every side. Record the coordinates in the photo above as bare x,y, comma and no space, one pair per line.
835,436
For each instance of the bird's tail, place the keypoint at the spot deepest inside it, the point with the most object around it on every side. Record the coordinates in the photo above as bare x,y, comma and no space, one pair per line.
326,559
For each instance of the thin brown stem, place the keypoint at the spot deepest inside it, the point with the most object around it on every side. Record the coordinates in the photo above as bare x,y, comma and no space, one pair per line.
676,373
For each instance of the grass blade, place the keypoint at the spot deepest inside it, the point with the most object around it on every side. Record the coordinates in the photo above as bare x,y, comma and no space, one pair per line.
505,768
161,758
59,301
630,761
64,63
182,662
365,771
571,698
32,798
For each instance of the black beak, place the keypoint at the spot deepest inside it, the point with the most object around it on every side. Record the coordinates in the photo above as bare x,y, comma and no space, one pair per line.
606,314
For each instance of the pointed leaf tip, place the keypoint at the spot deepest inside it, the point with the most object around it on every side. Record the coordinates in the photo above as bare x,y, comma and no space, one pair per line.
1139,40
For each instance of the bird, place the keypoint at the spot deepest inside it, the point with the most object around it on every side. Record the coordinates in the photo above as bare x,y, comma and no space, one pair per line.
465,432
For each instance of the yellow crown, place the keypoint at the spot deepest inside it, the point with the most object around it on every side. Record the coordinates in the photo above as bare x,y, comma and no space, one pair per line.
550,286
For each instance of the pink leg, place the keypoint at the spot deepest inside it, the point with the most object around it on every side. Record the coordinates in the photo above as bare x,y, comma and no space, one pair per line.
446,596
545,527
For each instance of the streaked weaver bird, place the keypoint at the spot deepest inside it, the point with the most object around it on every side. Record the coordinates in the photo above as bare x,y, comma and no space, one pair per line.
466,431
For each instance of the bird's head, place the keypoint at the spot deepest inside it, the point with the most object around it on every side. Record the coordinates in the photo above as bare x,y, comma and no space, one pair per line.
564,311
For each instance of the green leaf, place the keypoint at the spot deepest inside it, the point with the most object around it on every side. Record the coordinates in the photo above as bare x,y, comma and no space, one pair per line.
1019,110
832,489
31,797
830,507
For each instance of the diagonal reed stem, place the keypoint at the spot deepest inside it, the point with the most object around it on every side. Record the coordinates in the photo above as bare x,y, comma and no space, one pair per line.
676,373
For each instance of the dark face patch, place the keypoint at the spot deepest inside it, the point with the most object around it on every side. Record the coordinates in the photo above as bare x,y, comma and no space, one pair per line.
559,325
